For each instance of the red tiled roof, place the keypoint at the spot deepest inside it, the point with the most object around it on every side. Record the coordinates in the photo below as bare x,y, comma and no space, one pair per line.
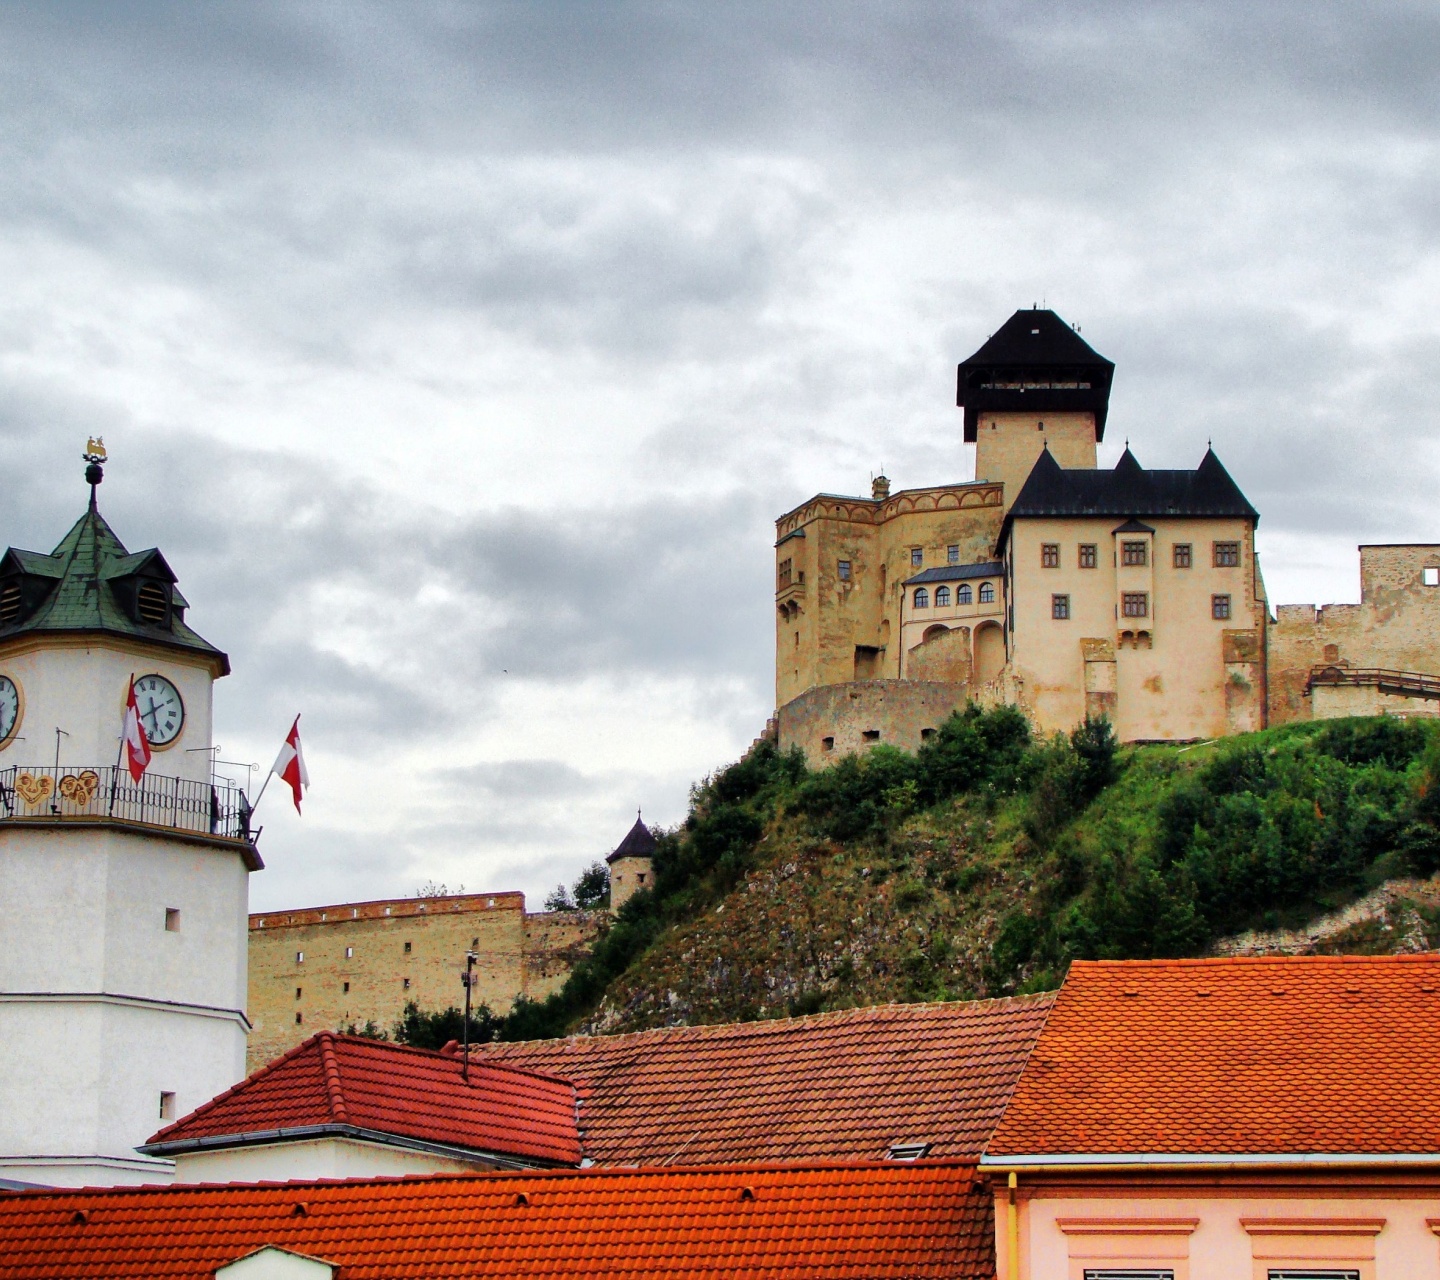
1272,1056
842,1085
338,1080
827,1222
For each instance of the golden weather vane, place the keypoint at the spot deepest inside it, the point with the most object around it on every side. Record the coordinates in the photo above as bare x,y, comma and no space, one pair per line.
94,449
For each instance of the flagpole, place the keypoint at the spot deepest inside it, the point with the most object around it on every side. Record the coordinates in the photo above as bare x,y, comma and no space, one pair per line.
120,751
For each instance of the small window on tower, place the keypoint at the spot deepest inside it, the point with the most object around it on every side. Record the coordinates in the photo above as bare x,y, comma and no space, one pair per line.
407,948
1134,553
346,987
842,570
784,572
297,992
349,953
152,604
167,1105
172,919
952,555
1135,604
1181,553
405,982
1087,555
917,557
1049,555
1430,575
1220,608
1060,607
299,957
299,1018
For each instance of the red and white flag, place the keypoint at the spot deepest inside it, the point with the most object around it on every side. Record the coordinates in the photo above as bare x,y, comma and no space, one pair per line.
136,745
290,764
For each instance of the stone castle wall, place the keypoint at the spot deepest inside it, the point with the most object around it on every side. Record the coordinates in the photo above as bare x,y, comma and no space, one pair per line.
322,968
839,719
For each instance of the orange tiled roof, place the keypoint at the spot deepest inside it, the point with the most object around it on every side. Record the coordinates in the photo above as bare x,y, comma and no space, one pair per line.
347,1081
824,1222
842,1085
1272,1056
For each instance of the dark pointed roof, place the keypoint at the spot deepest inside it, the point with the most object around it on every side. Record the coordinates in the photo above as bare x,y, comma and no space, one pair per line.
638,843
77,581
1034,361
1129,491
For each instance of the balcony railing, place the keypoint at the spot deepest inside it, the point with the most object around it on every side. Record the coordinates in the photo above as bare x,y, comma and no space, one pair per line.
1409,684
60,794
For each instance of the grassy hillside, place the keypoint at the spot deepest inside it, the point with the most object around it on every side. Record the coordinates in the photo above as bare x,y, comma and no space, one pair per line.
988,861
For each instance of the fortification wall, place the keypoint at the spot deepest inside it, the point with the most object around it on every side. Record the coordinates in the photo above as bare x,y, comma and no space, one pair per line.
836,720
1396,625
322,968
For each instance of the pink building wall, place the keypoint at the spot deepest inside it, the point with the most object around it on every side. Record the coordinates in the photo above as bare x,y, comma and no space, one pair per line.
1385,1228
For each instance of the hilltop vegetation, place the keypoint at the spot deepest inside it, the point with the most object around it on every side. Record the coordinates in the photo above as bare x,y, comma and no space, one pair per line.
989,860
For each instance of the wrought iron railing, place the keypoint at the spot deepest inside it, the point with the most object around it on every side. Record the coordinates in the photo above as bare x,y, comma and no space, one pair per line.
214,809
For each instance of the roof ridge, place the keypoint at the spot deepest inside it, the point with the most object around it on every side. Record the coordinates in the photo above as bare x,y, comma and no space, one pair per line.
330,1064
766,1026
496,1175
1413,957
346,1041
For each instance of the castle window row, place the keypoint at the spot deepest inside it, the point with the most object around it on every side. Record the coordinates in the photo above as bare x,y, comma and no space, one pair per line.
963,595
1224,555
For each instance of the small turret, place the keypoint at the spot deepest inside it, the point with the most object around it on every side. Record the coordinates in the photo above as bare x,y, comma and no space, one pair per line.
632,865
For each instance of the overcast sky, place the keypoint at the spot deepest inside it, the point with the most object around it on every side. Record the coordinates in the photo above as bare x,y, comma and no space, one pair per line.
460,356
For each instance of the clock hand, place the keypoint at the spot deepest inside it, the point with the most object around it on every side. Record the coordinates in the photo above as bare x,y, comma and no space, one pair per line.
153,713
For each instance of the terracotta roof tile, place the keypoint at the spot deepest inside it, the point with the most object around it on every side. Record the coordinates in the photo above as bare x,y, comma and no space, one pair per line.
826,1222
1276,1055
333,1079
845,1085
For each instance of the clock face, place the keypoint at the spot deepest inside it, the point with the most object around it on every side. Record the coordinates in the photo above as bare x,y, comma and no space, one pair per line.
9,708
162,714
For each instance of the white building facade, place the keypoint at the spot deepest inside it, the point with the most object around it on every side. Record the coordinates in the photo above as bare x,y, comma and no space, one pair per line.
123,906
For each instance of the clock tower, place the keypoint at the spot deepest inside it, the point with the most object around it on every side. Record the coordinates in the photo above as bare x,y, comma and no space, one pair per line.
122,902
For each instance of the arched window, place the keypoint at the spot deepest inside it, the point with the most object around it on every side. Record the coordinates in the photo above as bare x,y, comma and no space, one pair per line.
964,595
987,593
942,597
922,598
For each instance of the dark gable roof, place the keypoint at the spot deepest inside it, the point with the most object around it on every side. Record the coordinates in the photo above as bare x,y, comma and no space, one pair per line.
1128,491
956,572
1035,338
74,588
1034,362
638,843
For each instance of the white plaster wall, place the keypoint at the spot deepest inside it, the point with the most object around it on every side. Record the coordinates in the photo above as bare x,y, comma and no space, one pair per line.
81,1079
84,910
82,691
306,1161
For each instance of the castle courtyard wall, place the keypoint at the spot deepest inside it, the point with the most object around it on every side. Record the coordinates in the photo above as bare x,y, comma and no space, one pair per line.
324,968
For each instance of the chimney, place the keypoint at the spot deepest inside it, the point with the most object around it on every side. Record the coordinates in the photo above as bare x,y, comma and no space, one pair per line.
879,488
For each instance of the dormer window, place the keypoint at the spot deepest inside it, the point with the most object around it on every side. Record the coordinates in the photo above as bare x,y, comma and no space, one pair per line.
152,604
10,604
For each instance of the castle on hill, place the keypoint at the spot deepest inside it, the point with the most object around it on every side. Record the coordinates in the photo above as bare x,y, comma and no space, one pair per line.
1070,591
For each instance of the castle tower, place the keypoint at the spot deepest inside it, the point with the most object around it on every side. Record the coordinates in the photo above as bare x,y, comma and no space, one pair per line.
1036,384
122,904
632,865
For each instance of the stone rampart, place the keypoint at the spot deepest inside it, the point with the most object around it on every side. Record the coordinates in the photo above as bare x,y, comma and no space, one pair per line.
834,720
